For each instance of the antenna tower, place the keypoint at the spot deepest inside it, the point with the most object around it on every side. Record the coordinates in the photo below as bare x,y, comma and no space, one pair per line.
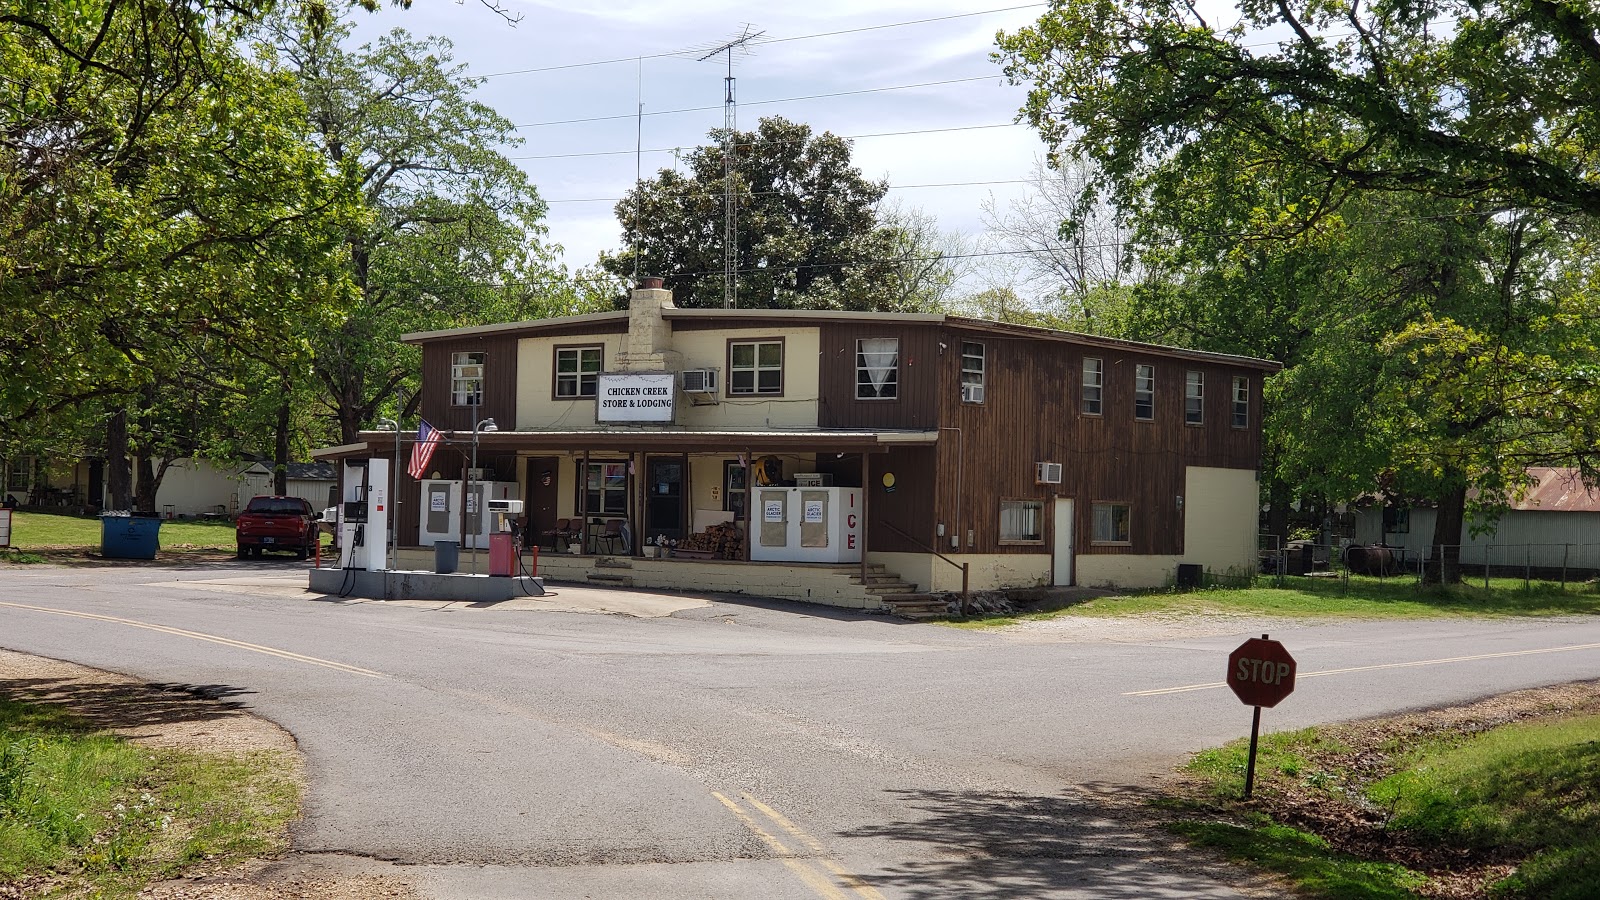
730,122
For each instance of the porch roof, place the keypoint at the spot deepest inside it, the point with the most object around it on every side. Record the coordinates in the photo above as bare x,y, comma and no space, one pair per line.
649,441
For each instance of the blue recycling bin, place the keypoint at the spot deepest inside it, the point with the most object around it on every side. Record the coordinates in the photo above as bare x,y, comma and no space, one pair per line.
129,537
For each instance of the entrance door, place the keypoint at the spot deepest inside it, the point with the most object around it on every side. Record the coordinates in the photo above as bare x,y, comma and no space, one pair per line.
540,500
1062,564
663,487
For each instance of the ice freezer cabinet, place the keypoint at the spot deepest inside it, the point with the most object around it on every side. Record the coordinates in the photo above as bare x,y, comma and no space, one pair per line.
807,524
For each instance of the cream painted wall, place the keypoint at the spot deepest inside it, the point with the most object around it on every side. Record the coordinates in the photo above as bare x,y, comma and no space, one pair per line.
796,408
698,349
536,366
1220,520
1125,570
986,572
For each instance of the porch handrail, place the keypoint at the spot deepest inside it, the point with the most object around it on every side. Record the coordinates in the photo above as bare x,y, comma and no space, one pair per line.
964,567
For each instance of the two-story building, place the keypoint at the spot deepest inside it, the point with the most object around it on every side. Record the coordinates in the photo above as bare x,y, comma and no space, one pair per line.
875,452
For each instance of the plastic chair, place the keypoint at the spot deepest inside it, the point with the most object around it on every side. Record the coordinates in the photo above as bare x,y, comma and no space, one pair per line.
611,535
557,535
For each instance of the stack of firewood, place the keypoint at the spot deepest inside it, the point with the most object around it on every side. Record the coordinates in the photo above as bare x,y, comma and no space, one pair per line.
722,541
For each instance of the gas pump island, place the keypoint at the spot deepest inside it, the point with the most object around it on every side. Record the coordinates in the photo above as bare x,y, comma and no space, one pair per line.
364,519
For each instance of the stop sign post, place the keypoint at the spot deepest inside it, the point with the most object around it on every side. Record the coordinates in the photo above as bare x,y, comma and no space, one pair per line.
1260,673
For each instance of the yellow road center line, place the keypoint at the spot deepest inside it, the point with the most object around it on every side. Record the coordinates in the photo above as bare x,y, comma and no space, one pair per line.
815,846
201,636
1400,665
813,879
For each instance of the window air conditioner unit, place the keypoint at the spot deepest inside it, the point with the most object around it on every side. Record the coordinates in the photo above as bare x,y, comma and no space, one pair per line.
700,381
972,393
1047,473
505,506
469,371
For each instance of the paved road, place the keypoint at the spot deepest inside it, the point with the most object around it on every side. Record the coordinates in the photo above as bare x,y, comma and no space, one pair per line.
712,748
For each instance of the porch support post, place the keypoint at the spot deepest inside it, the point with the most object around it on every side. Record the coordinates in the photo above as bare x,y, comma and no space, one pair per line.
583,503
636,516
866,491
749,511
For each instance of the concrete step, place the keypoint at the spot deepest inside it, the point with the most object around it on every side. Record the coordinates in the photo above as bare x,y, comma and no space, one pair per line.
613,562
916,606
610,580
877,579
897,587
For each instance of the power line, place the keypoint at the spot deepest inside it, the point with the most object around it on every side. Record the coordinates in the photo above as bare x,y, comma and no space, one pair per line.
688,109
849,137
892,187
684,54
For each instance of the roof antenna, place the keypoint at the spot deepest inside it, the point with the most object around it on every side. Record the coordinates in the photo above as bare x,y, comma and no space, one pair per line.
730,122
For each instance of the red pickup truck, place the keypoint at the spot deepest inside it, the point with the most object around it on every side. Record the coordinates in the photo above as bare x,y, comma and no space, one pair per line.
276,523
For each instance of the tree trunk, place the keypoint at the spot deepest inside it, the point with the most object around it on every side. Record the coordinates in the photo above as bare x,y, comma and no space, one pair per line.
145,488
119,480
1278,499
280,455
1444,560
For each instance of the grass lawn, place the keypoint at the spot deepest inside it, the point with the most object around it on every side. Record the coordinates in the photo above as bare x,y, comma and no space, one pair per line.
38,537
85,813
1365,598
1490,800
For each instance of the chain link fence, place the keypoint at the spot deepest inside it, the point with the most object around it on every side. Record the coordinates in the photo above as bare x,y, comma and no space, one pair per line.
1481,563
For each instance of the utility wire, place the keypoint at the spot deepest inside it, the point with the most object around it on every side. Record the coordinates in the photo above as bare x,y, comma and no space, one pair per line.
688,109
684,54
892,187
765,143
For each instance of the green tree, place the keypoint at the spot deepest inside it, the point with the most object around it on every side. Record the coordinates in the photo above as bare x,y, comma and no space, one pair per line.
453,232
147,173
809,230
1344,204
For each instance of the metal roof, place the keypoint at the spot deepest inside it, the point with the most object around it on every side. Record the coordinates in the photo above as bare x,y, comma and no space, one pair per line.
1558,490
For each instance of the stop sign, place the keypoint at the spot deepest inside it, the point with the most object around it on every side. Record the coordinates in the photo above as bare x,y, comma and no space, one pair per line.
1261,672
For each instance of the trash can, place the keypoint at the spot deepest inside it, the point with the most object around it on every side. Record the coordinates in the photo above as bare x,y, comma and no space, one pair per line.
129,537
446,556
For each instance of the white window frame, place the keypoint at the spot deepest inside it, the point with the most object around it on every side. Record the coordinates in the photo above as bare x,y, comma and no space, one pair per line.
886,386
1094,391
1144,391
973,374
1104,519
1020,516
1241,401
579,378
466,389
1194,397
754,369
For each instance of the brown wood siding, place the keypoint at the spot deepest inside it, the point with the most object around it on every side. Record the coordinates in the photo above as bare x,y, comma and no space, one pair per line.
1031,414
916,407
909,507
499,382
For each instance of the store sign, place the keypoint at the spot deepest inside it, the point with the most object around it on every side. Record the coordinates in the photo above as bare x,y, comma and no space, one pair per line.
635,397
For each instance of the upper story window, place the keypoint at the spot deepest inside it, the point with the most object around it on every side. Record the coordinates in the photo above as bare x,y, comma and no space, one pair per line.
972,365
1194,398
466,379
1144,392
877,368
1094,375
578,371
755,367
1241,402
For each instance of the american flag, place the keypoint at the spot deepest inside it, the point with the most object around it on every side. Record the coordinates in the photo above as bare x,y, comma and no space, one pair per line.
422,451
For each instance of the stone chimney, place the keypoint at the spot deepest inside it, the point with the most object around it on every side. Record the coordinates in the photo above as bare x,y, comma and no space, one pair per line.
648,346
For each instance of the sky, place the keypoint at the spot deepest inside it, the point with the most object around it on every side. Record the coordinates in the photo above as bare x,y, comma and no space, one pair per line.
805,49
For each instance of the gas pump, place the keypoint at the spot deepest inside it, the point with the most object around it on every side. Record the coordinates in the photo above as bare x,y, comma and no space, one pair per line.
364,527
502,544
